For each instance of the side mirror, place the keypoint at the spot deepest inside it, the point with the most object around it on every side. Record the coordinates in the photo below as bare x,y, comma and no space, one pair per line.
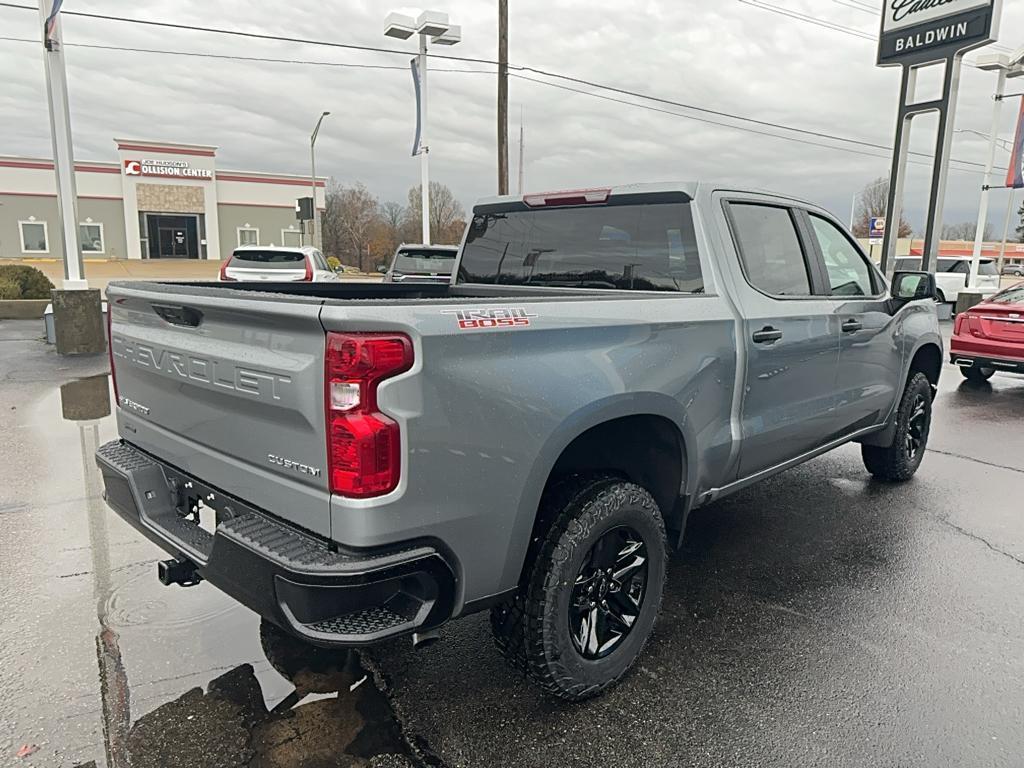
911,286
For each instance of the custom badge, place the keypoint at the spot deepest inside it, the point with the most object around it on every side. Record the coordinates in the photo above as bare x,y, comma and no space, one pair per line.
486,319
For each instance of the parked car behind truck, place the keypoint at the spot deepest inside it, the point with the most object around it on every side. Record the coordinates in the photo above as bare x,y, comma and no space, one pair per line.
422,263
381,459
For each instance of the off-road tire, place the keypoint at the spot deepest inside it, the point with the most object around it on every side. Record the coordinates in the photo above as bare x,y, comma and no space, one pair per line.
978,374
532,629
894,463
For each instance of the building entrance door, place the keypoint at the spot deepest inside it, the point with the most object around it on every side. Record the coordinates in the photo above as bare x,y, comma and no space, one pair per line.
173,237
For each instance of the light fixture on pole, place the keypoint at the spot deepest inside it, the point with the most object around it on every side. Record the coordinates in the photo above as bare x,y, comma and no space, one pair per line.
317,240
1007,67
435,25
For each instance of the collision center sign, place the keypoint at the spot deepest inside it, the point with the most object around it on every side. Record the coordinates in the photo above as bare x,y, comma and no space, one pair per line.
918,31
175,169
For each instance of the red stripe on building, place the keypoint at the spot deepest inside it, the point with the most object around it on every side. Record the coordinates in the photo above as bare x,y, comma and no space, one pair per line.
267,180
45,166
53,194
265,205
167,150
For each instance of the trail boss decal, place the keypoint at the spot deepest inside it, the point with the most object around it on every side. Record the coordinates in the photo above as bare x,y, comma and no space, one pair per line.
485,319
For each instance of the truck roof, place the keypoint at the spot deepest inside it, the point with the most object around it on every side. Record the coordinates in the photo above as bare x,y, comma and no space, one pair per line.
689,188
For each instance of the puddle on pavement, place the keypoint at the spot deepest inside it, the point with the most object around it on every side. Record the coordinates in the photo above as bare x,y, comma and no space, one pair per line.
183,678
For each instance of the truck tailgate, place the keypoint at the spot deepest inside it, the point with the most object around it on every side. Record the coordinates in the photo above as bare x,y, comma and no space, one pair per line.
229,390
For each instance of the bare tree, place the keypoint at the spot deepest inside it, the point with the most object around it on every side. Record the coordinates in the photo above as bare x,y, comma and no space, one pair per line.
355,215
966,230
332,234
447,216
872,202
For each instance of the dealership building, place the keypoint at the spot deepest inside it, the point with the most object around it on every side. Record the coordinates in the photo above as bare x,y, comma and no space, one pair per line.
160,200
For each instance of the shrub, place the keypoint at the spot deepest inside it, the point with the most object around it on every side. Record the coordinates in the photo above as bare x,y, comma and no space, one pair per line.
333,262
9,290
24,282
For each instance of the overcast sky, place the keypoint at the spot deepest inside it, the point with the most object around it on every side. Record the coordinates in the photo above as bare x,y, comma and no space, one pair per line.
725,55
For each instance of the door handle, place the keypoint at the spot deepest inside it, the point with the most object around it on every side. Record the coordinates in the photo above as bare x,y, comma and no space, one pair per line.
852,326
767,335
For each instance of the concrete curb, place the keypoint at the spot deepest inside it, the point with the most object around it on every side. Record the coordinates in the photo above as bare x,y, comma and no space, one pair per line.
22,309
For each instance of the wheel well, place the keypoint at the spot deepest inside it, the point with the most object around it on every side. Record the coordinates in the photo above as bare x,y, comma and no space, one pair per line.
927,360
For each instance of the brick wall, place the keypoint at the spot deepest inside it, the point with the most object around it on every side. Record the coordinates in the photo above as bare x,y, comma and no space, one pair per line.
170,198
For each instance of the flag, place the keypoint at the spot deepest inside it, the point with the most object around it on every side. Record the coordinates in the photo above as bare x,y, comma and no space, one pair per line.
50,27
416,148
1015,176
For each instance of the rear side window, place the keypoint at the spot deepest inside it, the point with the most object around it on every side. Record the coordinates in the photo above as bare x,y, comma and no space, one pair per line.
908,265
268,259
988,268
848,271
773,259
635,246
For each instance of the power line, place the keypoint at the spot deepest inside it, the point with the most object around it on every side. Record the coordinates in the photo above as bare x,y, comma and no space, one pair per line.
261,59
518,68
737,127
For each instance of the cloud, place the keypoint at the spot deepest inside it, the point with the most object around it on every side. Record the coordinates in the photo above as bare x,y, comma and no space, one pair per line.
724,55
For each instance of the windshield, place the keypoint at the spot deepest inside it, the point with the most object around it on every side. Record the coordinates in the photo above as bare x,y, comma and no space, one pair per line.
643,247
1014,295
268,259
425,260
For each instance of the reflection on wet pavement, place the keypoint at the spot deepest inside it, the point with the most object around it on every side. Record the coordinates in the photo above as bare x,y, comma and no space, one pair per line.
178,676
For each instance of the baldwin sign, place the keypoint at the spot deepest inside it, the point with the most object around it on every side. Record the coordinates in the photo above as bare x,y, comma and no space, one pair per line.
923,31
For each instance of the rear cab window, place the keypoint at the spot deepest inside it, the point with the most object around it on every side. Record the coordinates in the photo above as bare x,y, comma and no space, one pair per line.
630,242
268,259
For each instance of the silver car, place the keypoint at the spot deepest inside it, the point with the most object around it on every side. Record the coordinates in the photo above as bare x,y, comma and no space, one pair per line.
280,265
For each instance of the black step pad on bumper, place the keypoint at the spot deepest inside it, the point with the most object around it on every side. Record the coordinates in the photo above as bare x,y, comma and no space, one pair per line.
330,598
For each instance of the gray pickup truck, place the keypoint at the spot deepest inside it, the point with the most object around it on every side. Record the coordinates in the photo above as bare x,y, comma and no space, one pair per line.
356,462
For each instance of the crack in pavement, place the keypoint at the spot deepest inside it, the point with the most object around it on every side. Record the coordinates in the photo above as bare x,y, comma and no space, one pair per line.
986,542
976,461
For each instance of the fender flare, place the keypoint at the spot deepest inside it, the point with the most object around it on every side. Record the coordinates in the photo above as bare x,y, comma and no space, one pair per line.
884,437
591,415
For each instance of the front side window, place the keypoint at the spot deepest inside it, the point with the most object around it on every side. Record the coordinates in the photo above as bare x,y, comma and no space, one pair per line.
248,236
33,237
848,271
635,246
91,237
770,251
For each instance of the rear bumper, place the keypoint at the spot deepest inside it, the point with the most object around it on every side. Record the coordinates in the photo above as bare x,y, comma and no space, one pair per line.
329,598
966,359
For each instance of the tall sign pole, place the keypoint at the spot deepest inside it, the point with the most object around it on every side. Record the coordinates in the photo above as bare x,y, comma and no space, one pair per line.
502,97
915,35
60,132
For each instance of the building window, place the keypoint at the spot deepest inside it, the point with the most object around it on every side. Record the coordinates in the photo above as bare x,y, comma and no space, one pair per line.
291,238
248,236
91,236
33,237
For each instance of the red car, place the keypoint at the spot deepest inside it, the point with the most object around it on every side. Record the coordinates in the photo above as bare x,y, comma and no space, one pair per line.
989,337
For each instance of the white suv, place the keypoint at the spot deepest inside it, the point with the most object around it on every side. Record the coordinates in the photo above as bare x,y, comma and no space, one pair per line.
951,273
280,265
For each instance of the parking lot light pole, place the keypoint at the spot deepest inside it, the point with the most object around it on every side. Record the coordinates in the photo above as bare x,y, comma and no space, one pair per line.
317,239
435,25
1007,67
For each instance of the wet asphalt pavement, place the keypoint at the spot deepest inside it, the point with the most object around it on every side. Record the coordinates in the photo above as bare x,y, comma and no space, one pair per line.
819,618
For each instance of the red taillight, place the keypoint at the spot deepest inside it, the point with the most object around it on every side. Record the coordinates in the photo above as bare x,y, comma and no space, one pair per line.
224,272
309,270
568,197
363,445
110,351
958,324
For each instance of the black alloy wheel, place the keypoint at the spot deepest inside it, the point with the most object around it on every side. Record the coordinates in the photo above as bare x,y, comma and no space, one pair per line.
917,426
609,592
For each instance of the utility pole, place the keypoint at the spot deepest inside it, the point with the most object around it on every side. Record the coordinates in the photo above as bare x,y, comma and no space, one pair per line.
522,145
60,132
502,97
